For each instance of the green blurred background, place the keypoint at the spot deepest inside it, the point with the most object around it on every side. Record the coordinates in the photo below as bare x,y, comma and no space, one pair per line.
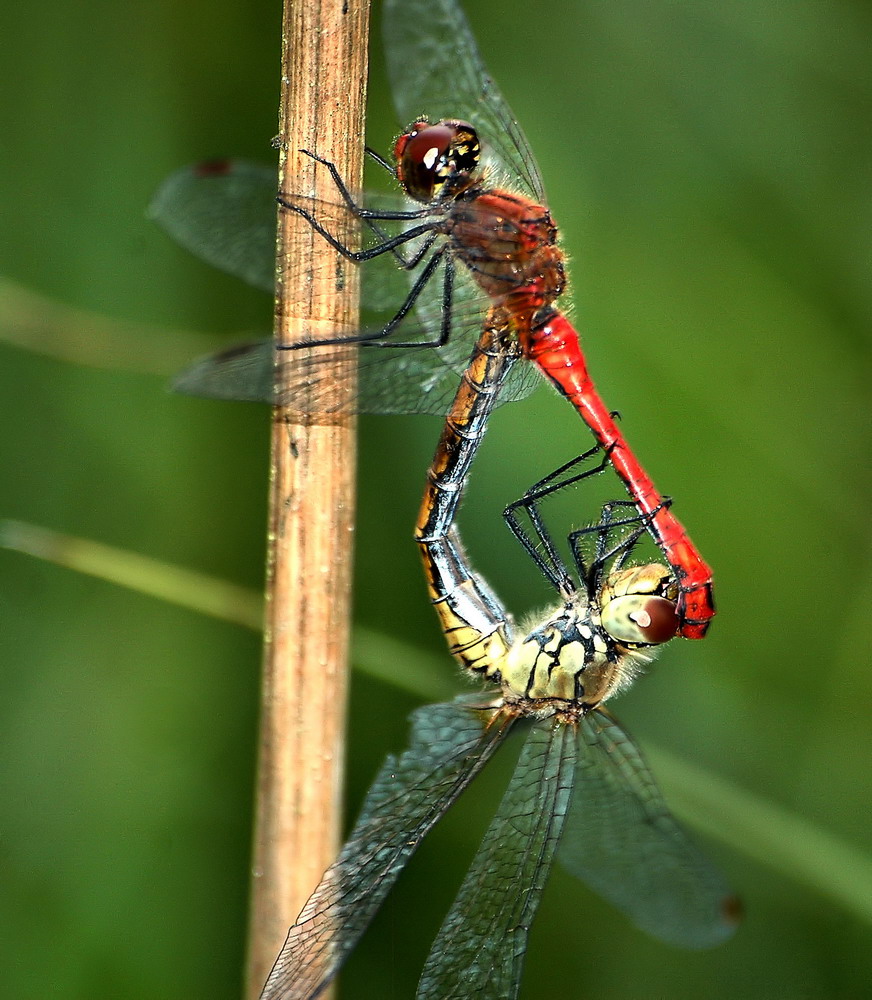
709,164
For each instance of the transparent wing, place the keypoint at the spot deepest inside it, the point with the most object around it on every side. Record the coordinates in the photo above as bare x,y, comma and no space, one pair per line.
624,843
436,70
450,744
390,380
225,214
479,951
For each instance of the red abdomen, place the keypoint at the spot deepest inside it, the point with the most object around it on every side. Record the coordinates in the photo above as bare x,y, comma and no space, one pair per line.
552,344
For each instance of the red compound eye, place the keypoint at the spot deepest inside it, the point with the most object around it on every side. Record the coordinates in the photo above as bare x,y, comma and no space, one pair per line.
656,619
641,619
430,156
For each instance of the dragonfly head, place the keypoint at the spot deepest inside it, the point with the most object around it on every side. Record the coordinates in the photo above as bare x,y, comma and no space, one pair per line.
588,650
637,605
438,160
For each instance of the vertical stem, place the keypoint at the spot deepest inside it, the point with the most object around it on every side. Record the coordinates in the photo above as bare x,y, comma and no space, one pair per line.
324,49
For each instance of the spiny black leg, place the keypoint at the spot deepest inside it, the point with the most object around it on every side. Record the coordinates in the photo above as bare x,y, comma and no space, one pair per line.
605,548
369,217
408,263
404,262
416,289
357,255
358,210
550,563
553,481
375,338
447,301
447,298
380,160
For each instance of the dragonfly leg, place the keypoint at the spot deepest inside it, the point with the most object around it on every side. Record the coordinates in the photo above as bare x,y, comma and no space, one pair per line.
539,543
386,246
358,210
376,338
406,263
549,562
609,550
370,218
380,160
606,547
447,298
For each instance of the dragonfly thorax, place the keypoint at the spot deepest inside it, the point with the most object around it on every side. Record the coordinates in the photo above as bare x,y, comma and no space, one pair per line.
569,657
437,161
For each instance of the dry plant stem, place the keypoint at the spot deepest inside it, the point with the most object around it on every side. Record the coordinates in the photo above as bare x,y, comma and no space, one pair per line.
324,50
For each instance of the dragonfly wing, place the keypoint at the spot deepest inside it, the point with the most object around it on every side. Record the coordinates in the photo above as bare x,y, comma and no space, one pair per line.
390,380
450,744
479,951
626,845
225,214
520,382
243,372
435,69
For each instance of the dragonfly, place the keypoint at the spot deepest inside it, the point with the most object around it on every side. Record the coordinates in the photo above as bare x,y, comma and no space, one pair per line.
581,789
578,769
475,240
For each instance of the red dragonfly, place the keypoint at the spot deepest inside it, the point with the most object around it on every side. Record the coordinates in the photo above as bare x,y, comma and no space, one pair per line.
478,201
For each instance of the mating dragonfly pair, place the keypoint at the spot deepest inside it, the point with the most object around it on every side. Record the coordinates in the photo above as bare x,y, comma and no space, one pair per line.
480,250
